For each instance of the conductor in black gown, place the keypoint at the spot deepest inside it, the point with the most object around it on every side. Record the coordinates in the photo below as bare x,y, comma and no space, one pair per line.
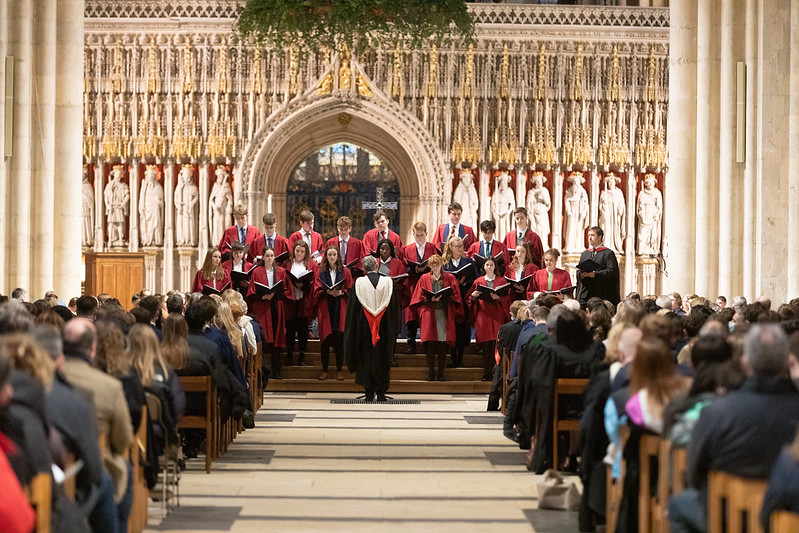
370,331
603,282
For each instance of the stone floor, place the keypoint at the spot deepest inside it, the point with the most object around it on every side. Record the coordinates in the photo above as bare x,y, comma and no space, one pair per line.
440,463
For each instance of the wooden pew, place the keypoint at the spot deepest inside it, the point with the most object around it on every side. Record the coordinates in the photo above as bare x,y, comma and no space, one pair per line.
257,390
505,360
564,387
40,495
69,484
742,495
137,521
651,509
210,421
783,522
614,490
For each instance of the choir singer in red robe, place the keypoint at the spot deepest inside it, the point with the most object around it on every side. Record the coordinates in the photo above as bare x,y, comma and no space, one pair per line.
331,307
521,266
437,314
268,308
414,254
211,275
488,312
551,278
302,272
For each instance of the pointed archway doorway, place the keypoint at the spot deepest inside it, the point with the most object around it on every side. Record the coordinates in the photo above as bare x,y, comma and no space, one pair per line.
378,126
342,180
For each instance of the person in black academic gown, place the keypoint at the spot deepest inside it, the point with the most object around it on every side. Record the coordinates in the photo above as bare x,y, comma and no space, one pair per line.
371,331
603,282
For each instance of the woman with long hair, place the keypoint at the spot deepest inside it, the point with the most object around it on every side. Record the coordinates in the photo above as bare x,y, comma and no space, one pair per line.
225,322
174,346
300,310
212,274
437,315
654,382
488,312
331,308
269,307
462,267
522,266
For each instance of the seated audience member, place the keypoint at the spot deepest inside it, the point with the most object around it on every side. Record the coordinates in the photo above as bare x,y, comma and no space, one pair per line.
111,414
782,493
567,352
85,306
535,326
153,306
732,435
72,417
16,514
175,304
654,382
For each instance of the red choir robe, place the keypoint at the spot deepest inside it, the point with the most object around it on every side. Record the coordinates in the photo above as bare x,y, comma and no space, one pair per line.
228,266
200,281
560,280
317,244
427,312
263,308
529,268
232,234
410,253
355,252
322,311
535,245
371,238
280,245
464,232
488,315
401,292
496,248
305,307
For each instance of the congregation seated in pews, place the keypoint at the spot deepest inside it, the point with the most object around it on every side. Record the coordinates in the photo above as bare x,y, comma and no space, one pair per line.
686,422
93,411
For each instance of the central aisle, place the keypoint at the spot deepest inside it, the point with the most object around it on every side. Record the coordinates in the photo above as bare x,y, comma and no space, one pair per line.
439,464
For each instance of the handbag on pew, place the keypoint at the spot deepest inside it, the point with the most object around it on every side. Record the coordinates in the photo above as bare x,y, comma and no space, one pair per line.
554,492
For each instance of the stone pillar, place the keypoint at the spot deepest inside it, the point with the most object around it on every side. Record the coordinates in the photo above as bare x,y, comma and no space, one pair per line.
409,210
485,199
793,159
679,214
203,226
168,270
133,225
557,209
593,197
186,266
152,280
99,207
630,276
521,187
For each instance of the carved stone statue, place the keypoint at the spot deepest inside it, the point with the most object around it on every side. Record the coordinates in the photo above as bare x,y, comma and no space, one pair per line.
151,209
220,205
87,200
649,209
538,205
613,213
502,205
187,199
575,212
344,75
117,200
466,195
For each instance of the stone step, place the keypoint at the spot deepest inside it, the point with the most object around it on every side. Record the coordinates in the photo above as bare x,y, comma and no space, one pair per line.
399,373
313,358
397,386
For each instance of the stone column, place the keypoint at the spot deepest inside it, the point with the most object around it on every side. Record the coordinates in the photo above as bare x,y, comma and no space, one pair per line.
409,210
185,265
203,226
630,275
133,225
521,187
42,156
593,197
793,159
99,207
679,214
151,278
557,209
485,200
168,271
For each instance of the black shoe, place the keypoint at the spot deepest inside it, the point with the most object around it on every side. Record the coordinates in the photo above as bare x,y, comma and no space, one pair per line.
369,398
302,360
431,376
394,363
290,359
486,377
278,377
248,419
441,377
513,434
381,398
411,348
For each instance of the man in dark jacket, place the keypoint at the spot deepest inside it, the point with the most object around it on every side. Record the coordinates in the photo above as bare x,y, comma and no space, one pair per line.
742,433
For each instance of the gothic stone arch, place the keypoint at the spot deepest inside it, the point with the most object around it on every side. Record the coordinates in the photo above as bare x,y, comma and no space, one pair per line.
379,125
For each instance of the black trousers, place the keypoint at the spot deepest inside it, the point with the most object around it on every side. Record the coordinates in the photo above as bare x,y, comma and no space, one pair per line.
435,350
297,326
487,351
336,341
463,336
413,328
